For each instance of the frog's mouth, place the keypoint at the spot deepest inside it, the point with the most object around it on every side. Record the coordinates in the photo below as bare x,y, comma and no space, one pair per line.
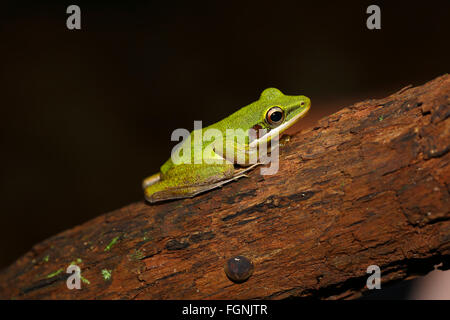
276,131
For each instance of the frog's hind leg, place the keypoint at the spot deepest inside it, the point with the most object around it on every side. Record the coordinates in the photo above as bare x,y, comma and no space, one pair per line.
186,181
186,191
151,180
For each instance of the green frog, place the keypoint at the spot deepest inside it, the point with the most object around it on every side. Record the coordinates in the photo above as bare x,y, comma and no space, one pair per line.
218,158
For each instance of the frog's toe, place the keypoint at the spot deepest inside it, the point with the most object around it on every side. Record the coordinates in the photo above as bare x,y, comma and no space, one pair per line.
150,180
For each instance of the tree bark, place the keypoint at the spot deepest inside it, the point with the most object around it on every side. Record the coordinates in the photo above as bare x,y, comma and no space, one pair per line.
369,185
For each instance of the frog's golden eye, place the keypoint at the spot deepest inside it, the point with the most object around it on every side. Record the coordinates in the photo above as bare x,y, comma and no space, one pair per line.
275,116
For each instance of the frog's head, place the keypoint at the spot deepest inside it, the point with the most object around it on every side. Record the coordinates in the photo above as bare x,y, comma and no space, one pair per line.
277,112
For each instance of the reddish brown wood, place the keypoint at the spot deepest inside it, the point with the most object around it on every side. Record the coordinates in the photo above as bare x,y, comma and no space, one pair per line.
368,185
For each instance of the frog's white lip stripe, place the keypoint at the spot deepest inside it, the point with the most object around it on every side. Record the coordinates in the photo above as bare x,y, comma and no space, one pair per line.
269,135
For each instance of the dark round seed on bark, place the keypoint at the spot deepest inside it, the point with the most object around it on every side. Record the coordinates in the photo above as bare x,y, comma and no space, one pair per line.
238,269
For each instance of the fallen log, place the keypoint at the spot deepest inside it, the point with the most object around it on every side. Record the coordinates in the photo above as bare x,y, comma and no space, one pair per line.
369,185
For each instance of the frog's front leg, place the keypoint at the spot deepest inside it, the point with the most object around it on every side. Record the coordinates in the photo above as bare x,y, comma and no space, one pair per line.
238,153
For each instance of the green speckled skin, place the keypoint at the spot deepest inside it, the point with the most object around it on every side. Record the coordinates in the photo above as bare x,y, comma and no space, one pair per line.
186,180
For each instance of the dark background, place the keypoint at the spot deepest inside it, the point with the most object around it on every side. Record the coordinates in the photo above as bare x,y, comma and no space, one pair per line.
86,114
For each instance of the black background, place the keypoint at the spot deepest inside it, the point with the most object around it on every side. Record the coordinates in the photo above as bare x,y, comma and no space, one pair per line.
85,115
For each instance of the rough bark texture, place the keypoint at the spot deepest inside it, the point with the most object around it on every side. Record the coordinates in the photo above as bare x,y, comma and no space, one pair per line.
368,185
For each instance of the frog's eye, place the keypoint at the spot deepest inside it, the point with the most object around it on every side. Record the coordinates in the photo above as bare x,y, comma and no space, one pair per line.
275,116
